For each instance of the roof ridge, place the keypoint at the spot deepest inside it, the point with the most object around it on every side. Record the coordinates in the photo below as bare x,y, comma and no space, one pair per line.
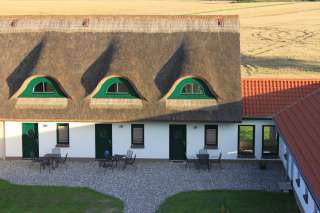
278,79
120,23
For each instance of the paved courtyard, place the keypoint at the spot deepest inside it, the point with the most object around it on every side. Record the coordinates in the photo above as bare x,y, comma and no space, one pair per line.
143,188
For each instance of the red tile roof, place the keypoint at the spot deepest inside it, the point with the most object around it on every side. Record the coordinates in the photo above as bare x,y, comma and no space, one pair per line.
262,98
299,124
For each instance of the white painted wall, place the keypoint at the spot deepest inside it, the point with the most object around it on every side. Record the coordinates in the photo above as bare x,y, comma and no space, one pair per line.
2,144
292,171
227,140
13,139
82,139
156,140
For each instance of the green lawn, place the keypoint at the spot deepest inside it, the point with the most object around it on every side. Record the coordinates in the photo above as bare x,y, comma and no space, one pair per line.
225,201
34,199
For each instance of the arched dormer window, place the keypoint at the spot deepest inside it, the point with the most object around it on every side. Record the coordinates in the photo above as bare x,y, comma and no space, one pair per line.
42,87
191,88
116,87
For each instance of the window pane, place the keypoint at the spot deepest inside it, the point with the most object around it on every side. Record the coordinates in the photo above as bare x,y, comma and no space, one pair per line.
246,140
112,88
122,88
197,89
211,136
187,89
270,142
137,135
63,133
48,87
38,87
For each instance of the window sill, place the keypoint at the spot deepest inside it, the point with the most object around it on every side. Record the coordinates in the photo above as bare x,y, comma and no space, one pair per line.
63,145
270,156
246,156
136,146
210,147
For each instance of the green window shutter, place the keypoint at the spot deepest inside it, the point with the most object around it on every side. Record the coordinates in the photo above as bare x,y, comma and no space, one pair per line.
33,89
116,88
191,88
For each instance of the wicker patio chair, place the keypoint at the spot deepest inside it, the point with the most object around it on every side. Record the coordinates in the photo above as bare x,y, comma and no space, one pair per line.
218,160
45,162
129,161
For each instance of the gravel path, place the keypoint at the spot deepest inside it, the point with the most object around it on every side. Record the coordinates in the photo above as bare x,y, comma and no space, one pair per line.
143,188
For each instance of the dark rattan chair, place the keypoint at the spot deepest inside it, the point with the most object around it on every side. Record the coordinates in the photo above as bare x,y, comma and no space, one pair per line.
129,161
218,160
45,162
63,160
108,161
203,161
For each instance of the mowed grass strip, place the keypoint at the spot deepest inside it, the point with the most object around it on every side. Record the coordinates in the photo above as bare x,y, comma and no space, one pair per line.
25,198
229,201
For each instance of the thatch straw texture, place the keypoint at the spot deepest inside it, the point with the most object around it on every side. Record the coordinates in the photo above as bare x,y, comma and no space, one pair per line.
152,62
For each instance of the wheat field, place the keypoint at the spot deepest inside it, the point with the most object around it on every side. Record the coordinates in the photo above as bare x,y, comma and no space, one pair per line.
278,39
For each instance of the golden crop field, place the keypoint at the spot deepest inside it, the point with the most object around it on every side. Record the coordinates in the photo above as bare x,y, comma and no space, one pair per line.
277,38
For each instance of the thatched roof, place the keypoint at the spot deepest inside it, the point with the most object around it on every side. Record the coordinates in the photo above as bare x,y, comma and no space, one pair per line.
152,52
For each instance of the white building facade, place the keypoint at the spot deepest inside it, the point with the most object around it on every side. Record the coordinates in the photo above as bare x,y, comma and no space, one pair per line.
303,194
82,139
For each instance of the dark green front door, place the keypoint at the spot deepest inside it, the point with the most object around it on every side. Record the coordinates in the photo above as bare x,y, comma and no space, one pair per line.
30,139
177,142
103,139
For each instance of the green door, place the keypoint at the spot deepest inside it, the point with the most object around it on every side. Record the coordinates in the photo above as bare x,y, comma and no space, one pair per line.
103,139
177,148
30,139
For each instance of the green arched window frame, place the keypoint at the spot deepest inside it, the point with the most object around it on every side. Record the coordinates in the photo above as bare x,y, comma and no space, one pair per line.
42,87
191,88
116,87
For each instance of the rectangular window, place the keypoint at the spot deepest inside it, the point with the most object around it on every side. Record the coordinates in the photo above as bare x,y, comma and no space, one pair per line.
63,134
298,180
137,135
246,140
270,141
305,196
211,137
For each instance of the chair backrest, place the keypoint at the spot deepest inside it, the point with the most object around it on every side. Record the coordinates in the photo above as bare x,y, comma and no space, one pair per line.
65,158
56,150
203,151
106,154
220,156
134,159
129,153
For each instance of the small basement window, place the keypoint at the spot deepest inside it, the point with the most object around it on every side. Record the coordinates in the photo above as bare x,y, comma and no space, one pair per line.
63,134
211,136
298,179
137,136
305,196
